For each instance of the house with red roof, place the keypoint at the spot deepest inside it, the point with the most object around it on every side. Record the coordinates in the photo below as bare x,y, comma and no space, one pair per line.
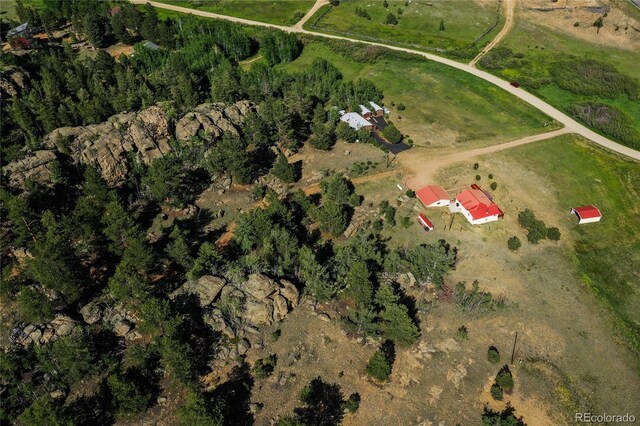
587,214
433,196
476,206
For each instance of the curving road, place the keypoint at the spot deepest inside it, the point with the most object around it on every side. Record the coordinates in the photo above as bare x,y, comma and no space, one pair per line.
570,124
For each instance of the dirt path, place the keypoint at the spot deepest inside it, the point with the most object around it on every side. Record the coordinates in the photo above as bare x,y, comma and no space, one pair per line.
570,124
318,4
314,189
250,61
509,13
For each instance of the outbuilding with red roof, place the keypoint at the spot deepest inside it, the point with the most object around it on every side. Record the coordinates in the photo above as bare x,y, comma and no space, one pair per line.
476,206
433,196
587,214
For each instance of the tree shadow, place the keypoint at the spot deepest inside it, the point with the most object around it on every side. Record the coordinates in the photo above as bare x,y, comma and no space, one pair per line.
235,396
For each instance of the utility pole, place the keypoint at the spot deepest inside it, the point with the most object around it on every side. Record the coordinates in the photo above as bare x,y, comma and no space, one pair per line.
513,351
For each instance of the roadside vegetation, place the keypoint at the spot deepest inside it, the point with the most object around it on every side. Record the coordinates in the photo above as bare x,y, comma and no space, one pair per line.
599,86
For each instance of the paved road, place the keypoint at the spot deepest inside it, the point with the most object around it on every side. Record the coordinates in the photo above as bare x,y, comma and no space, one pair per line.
509,12
570,124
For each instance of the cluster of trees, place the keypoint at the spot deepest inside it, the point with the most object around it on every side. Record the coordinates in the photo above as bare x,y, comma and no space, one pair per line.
537,228
503,383
86,241
362,13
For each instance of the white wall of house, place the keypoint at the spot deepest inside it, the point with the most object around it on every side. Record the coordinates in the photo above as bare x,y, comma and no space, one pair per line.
589,220
440,203
470,218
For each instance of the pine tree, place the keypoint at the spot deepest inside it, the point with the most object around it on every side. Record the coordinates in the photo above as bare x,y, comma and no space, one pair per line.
283,170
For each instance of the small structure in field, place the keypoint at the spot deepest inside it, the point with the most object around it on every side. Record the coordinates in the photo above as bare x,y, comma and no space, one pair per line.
377,109
424,222
433,196
587,214
365,112
356,121
476,206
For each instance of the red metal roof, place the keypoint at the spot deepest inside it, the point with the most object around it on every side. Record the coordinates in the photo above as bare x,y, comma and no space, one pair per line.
478,204
587,212
424,221
432,193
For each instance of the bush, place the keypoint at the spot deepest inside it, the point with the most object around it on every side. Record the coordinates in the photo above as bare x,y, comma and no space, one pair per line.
362,13
392,134
478,177
553,234
493,355
276,335
476,166
514,243
401,107
379,367
391,19
353,403
537,229
490,176
504,379
609,120
494,186
410,193
264,367
335,2
496,392
462,333
591,77
405,222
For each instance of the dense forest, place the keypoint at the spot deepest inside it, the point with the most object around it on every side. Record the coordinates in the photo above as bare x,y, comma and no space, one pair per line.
79,247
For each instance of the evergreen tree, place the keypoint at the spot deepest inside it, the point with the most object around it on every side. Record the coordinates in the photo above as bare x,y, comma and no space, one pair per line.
379,367
283,170
315,276
397,325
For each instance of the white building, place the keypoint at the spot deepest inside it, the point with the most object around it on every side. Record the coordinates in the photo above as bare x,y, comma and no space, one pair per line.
476,206
356,121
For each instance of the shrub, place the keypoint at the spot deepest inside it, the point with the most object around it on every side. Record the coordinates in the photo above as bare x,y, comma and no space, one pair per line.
362,13
475,300
493,355
379,367
462,333
391,19
410,193
496,392
494,186
401,107
335,2
514,243
476,166
592,77
490,176
353,403
392,134
264,367
385,4
504,379
609,120
478,177
537,229
276,335
405,222
553,234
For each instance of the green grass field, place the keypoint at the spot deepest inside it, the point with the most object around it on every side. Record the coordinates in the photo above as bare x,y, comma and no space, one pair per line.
537,49
418,26
442,104
607,253
280,12
8,8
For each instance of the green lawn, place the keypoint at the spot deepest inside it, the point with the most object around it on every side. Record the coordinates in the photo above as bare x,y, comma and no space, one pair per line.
441,102
8,8
534,51
280,12
418,26
607,253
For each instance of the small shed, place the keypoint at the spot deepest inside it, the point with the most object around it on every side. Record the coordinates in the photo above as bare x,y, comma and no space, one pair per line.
587,214
424,222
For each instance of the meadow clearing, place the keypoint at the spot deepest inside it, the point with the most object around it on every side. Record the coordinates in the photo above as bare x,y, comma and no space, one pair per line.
447,27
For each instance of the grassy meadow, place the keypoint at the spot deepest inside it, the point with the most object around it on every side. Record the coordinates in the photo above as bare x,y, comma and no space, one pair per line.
531,55
280,12
419,24
445,109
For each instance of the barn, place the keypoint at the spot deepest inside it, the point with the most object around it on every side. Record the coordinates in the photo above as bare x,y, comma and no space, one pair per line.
476,206
587,214
433,196
356,121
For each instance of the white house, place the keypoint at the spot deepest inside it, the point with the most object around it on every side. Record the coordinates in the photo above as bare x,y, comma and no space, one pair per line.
356,121
379,112
476,206
433,196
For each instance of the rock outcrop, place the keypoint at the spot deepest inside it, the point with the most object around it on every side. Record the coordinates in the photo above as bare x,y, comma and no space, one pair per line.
13,80
37,335
36,167
138,136
239,312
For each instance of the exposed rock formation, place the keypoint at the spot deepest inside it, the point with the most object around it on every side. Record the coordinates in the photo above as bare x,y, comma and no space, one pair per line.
38,335
138,136
35,167
13,80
